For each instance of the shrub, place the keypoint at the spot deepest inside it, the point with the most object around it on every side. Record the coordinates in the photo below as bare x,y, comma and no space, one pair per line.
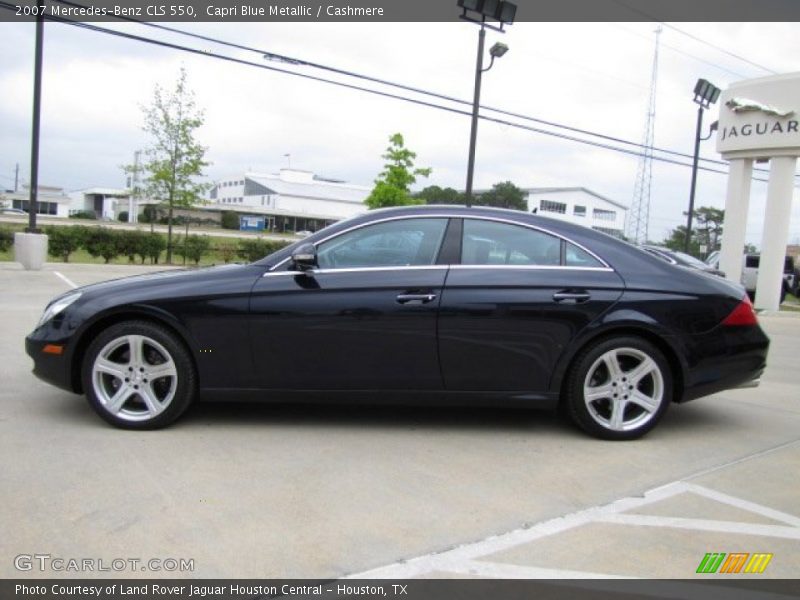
194,247
152,246
63,241
256,249
123,216
129,243
6,239
101,241
149,214
226,251
84,214
230,219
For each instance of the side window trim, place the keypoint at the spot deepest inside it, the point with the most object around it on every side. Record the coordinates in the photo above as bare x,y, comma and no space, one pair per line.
450,250
461,217
334,237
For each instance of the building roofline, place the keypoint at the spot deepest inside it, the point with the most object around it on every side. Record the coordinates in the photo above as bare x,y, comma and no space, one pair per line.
557,190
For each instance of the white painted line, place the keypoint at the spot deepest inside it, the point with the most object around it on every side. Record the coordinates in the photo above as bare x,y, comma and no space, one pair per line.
464,559
492,545
760,509
65,280
507,571
776,531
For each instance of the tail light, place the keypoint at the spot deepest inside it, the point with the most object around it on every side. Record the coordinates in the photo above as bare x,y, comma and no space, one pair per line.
744,314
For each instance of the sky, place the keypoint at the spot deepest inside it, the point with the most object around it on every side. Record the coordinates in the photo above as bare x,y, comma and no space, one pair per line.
594,76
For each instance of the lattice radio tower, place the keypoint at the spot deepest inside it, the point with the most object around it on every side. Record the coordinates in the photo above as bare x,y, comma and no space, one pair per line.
636,228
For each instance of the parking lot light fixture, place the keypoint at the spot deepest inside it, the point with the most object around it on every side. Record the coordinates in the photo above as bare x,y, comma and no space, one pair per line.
705,94
484,13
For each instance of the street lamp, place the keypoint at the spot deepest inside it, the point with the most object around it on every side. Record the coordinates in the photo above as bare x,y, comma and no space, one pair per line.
478,11
705,94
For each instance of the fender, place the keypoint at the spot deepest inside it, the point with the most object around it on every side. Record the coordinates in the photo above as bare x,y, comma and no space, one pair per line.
120,313
622,321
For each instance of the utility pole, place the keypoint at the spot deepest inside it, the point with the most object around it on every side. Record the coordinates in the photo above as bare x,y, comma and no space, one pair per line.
133,205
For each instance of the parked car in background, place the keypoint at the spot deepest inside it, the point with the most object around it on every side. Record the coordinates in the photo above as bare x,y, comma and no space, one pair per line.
12,211
422,304
750,263
681,258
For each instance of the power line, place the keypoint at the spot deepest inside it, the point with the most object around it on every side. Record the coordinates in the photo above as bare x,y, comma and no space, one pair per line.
301,62
694,37
497,120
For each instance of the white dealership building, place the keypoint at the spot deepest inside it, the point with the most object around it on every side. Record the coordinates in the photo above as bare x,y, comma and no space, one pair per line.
578,205
290,200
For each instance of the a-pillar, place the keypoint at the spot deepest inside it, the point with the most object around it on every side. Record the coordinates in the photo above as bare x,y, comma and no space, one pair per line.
776,232
737,201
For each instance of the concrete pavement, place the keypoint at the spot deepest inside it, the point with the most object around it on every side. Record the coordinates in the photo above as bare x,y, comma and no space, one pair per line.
308,491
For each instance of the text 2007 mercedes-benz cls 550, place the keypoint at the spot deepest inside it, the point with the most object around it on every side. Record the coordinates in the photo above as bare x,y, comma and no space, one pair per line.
427,304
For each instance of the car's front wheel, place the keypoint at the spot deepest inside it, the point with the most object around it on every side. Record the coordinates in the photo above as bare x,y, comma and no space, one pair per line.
138,375
619,388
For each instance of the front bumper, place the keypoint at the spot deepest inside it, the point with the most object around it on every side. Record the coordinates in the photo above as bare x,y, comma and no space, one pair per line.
52,368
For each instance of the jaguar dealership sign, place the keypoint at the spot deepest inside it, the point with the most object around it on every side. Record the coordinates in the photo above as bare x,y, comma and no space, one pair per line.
760,118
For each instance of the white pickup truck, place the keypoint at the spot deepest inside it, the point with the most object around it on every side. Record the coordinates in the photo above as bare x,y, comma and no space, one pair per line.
749,276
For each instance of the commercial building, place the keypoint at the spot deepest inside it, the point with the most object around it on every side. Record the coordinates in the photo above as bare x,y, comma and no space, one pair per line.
579,205
51,200
291,200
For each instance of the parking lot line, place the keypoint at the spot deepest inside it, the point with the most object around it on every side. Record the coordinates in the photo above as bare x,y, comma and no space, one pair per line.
474,558
65,280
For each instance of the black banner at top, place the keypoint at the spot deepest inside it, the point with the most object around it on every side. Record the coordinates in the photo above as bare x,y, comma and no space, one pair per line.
377,11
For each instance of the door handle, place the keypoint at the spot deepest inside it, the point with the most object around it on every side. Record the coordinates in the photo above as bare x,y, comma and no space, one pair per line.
420,298
574,296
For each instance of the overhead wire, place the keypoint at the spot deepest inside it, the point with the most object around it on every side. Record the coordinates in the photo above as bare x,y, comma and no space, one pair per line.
210,54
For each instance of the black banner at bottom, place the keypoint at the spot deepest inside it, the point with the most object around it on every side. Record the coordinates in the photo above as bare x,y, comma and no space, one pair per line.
416,589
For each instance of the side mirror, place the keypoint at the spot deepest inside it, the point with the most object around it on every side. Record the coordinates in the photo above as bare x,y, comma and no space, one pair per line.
305,257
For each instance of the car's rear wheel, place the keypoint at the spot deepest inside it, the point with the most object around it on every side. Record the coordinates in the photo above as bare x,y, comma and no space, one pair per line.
619,388
138,375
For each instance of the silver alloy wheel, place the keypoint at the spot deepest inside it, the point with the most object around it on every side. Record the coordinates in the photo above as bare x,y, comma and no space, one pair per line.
623,389
134,378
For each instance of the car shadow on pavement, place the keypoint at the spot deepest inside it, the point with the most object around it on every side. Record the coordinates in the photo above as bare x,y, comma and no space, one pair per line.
373,416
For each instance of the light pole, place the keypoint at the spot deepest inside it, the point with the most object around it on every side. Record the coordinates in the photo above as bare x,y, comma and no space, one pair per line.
33,198
478,11
705,94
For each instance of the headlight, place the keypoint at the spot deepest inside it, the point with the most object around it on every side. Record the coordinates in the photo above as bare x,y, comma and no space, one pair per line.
57,306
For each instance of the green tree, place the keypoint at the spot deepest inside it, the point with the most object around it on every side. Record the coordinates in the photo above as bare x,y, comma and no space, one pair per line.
706,230
174,159
709,226
230,219
433,194
392,188
101,242
677,240
503,195
63,241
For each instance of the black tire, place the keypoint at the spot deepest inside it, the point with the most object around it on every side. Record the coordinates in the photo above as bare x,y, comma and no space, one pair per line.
153,403
784,289
596,417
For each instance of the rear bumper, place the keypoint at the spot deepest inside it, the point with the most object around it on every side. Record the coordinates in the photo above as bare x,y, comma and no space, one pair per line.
731,357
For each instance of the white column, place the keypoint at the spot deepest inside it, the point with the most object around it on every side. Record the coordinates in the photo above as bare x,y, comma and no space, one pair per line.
776,232
737,201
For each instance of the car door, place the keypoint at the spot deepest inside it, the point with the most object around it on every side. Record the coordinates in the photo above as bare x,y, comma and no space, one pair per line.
518,298
364,319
